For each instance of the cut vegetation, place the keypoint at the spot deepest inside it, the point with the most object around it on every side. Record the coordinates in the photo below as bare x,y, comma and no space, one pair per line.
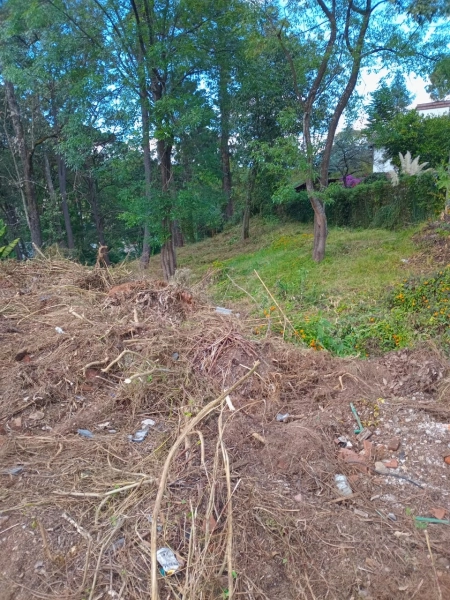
235,471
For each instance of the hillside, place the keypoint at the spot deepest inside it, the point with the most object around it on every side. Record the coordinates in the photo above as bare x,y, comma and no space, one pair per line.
376,290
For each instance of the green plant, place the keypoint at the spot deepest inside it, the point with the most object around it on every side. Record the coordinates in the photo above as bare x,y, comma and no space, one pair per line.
410,166
5,251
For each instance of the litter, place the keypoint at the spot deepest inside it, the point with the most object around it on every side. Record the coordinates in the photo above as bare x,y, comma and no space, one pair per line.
342,485
139,436
116,546
12,471
85,433
282,418
364,435
358,420
168,561
344,442
432,520
223,311
147,423
59,330
392,517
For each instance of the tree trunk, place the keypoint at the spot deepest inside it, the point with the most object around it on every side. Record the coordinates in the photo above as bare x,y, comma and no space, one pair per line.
145,257
178,237
224,104
62,179
98,220
248,203
62,176
320,229
168,254
52,192
26,157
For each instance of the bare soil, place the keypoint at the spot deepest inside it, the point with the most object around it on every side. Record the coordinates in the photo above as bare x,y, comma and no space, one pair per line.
257,516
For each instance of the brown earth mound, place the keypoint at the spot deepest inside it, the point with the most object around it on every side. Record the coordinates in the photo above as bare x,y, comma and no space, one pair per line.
242,489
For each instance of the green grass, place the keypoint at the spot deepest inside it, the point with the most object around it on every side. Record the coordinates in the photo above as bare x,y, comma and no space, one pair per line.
343,304
358,263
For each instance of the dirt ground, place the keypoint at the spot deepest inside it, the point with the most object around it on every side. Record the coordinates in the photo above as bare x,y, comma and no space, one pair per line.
250,505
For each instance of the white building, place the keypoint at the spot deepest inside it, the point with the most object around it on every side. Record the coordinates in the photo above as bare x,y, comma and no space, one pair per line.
429,109
440,108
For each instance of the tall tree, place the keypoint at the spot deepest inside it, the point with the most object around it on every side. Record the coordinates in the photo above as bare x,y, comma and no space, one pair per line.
386,102
345,35
26,158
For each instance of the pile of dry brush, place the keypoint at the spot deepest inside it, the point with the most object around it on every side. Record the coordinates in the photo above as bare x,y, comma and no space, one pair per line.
247,504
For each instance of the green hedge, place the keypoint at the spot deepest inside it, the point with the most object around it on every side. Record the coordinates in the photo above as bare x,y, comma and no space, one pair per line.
377,204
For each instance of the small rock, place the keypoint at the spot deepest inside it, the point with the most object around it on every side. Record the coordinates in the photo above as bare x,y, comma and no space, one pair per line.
368,449
394,444
391,464
392,517
36,415
175,356
380,467
447,460
16,423
443,562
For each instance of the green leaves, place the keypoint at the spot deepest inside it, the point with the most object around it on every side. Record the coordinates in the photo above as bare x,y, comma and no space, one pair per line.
6,250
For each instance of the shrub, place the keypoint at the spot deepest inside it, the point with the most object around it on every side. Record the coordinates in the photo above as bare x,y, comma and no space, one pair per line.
379,204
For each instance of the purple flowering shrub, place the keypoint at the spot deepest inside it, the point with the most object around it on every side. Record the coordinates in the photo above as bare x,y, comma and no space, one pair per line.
350,181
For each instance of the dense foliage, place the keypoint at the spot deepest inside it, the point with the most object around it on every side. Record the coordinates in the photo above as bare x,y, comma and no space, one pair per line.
140,125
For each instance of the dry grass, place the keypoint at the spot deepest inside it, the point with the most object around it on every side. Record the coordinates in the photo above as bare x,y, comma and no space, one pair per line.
247,516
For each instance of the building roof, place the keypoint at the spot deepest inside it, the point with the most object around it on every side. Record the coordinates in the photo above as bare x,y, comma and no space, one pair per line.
434,105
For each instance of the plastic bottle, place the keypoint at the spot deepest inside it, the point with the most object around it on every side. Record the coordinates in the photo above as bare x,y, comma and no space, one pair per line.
342,485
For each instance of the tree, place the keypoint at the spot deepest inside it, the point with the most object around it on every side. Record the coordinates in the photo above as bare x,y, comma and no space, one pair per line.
351,154
387,102
427,137
439,87
342,37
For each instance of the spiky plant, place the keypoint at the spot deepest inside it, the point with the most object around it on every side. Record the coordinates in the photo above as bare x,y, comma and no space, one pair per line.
411,166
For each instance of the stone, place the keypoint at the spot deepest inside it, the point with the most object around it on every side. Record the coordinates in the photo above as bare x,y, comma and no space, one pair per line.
351,458
36,415
16,423
391,464
368,449
438,513
394,444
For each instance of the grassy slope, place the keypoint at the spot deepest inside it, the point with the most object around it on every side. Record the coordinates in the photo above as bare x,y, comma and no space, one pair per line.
348,304
359,264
